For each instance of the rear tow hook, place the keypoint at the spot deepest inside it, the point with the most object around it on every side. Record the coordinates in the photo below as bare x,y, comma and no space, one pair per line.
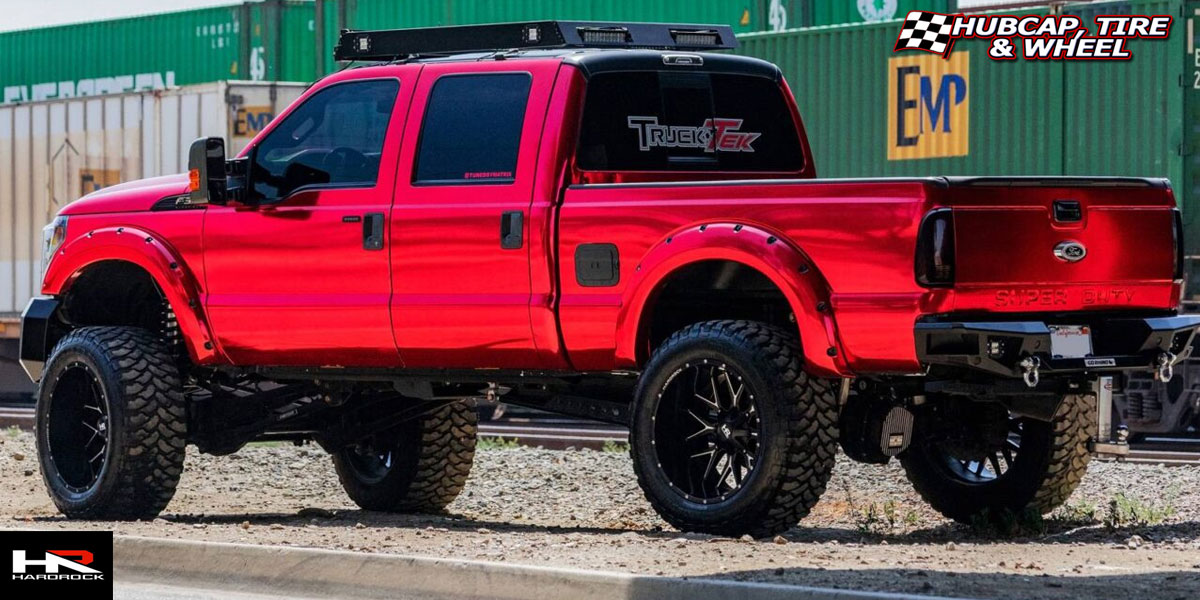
1164,368
1029,370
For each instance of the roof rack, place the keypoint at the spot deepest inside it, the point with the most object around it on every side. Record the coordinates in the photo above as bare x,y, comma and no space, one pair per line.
393,44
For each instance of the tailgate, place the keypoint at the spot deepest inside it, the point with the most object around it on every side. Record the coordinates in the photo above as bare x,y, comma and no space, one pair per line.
1036,244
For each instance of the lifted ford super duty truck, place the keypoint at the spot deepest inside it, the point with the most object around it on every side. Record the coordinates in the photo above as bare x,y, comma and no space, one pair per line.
604,221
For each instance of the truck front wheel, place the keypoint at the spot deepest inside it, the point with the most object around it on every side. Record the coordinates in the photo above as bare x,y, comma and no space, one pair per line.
420,466
970,460
730,435
111,424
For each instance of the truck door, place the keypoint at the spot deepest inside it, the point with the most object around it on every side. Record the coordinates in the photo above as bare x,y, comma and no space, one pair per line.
298,274
460,224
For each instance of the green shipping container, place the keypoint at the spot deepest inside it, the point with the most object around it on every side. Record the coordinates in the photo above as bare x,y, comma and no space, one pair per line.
261,41
743,15
837,12
870,111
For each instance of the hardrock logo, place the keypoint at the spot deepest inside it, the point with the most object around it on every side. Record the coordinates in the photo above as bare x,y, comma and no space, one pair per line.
54,561
714,135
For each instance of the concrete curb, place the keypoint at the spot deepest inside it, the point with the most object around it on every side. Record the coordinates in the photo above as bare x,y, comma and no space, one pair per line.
285,571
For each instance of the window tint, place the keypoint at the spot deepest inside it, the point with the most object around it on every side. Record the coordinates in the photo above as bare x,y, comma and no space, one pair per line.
662,121
335,137
472,129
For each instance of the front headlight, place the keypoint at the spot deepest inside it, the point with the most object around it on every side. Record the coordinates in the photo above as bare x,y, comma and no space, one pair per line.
53,236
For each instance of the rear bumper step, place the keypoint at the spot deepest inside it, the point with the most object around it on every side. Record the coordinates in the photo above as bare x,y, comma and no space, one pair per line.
1005,348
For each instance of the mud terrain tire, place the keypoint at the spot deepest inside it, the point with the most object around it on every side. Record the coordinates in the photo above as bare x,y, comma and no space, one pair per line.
1047,467
784,430
424,468
111,424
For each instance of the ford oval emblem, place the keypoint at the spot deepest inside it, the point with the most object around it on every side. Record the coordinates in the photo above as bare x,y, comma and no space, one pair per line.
1070,251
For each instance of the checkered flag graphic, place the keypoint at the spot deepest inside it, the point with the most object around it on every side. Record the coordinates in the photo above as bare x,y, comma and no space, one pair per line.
926,31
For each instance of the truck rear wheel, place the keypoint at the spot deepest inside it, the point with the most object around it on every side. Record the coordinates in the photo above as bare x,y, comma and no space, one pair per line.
420,466
730,435
111,424
971,460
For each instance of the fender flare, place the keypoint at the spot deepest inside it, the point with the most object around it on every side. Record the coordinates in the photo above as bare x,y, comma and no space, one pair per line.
169,272
786,265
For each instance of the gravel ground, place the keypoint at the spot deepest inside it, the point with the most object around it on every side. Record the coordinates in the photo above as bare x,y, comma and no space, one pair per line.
583,509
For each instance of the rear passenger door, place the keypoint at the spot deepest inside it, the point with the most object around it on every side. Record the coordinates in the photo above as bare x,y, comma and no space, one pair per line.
459,225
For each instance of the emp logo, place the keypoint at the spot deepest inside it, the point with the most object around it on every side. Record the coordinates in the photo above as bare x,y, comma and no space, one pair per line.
928,106
251,120
57,565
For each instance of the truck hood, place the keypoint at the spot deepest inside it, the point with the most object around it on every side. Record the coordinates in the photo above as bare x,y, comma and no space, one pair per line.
132,196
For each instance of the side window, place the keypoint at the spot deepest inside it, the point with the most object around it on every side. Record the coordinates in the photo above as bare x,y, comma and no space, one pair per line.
472,129
334,138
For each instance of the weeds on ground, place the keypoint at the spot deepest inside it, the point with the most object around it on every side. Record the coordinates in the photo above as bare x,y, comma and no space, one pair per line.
879,519
497,443
1127,511
13,432
615,446
1077,513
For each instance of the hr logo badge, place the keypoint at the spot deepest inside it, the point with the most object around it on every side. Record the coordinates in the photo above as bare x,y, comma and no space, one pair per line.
40,563
58,565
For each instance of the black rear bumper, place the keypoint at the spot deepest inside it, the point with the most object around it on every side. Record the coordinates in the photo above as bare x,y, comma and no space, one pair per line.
999,347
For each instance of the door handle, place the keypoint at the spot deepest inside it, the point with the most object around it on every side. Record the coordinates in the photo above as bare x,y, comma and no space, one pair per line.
511,230
373,231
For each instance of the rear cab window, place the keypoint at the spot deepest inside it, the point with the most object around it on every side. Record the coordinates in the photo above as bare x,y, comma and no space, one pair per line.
660,121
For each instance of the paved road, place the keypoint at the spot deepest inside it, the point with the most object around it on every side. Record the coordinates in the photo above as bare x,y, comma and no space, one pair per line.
154,591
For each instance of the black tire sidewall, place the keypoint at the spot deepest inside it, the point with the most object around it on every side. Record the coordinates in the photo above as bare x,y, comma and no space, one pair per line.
763,479
95,360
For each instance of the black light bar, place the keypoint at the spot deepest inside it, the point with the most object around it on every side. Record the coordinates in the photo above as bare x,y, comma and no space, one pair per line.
392,44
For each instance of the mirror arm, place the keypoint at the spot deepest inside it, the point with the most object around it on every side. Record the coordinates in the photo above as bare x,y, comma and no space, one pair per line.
238,171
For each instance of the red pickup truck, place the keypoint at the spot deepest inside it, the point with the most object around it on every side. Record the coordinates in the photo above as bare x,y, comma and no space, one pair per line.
604,221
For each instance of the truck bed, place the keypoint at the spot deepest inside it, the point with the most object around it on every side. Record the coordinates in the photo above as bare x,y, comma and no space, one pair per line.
859,236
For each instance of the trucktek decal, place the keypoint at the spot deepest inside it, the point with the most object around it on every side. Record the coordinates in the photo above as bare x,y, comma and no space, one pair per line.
713,135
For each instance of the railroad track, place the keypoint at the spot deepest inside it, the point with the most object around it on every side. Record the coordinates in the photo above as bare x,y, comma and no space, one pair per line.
16,415
556,434
559,434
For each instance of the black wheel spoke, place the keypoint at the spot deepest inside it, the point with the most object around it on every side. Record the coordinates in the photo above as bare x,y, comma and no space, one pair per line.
707,432
970,457
995,462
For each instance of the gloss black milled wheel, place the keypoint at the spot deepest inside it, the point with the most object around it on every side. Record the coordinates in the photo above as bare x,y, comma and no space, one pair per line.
730,436
708,406
991,462
972,459
77,427
368,465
